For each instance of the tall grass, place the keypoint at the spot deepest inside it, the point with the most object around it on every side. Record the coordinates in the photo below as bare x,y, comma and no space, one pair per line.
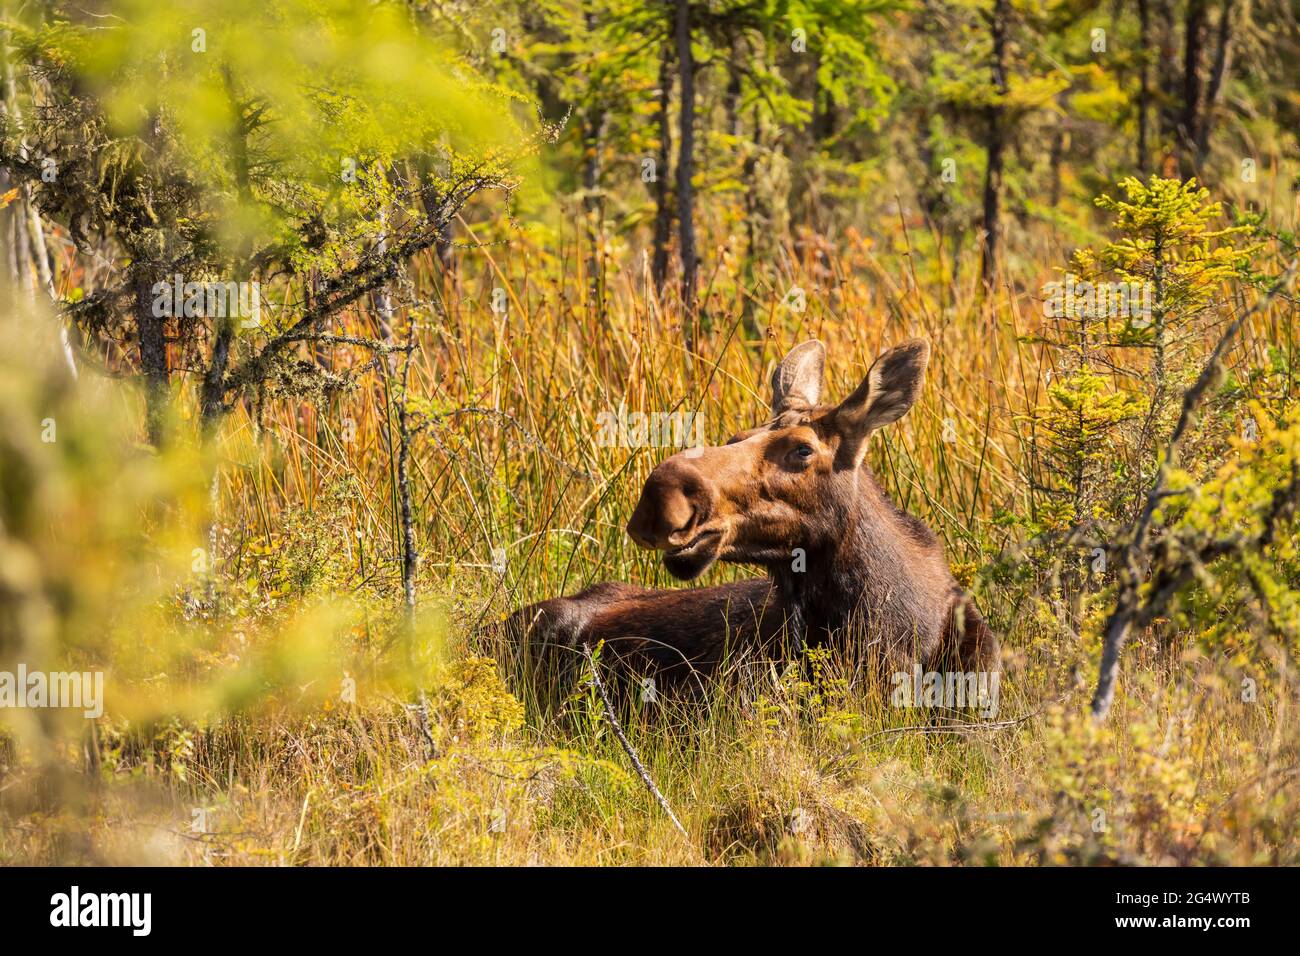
794,765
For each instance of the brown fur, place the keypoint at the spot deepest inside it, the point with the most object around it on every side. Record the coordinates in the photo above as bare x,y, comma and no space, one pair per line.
795,497
670,634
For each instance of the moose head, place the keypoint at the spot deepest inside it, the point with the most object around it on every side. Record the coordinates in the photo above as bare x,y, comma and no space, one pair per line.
794,482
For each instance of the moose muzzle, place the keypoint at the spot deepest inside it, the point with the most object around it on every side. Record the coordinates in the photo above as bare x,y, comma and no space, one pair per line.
675,501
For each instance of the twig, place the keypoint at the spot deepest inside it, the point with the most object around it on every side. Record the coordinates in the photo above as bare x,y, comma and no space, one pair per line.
302,818
505,418
422,715
959,727
627,746
965,727
326,339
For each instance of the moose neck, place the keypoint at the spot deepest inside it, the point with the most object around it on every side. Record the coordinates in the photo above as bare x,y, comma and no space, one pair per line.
868,566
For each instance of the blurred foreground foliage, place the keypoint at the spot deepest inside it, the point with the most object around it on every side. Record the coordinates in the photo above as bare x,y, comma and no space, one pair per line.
385,171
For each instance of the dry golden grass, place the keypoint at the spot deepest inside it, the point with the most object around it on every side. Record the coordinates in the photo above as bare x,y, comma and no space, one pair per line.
792,767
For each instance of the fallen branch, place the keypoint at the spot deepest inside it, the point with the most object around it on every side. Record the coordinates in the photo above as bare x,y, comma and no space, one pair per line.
627,745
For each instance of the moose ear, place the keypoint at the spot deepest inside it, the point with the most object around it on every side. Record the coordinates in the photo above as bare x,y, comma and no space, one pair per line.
889,390
797,381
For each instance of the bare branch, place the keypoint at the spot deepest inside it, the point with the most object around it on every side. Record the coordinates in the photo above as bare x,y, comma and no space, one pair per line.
627,745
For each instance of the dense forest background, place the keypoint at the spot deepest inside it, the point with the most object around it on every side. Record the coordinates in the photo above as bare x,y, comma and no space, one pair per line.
316,314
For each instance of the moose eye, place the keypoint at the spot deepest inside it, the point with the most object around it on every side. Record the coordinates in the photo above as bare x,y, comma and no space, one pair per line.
801,454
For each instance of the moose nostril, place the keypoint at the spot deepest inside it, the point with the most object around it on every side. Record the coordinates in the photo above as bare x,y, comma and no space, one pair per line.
668,511
678,516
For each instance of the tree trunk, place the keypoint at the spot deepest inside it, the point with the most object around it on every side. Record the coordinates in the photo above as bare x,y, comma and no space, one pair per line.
212,401
27,212
45,273
153,355
1056,157
8,217
1167,81
409,558
996,145
444,248
823,118
1144,82
1222,59
685,171
748,168
1193,42
662,191
212,394
593,206
22,252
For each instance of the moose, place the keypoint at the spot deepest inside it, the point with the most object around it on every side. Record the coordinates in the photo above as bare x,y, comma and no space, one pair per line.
796,497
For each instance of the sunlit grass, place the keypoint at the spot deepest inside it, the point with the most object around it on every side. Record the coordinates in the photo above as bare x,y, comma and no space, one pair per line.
243,741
